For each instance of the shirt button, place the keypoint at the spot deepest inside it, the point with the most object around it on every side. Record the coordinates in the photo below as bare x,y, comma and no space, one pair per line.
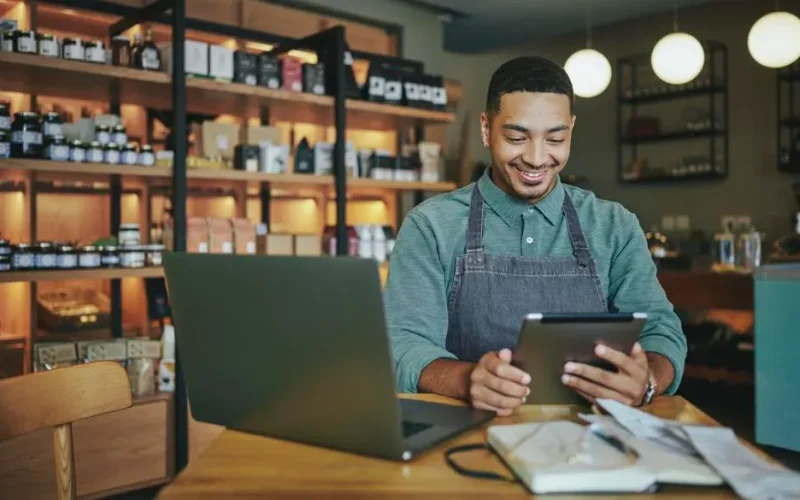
529,240
530,209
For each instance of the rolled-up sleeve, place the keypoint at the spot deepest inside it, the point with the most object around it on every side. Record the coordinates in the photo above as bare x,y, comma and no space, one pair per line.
415,299
634,287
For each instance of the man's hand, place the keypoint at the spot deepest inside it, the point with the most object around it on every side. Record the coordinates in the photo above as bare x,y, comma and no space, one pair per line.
496,385
627,386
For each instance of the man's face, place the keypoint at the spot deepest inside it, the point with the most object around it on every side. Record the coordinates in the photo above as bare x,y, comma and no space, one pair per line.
529,139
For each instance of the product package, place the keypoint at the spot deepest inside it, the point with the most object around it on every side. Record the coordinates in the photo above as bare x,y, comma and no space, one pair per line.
218,140
307,245
375,87
268,71
254,134
279,244
143,357
246,157
196,235
244,236
323,158
107,351
314,78
54,355
166,367
220,63
291,74
304,158
245,68
274,158
429,158
220,235
196,58
393,93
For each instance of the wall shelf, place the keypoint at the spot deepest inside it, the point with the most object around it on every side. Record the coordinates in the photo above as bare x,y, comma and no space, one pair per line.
701,91
80,274
675,136
675,179
788,126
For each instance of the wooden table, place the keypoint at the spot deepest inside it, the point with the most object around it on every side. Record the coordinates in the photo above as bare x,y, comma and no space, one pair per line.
240,465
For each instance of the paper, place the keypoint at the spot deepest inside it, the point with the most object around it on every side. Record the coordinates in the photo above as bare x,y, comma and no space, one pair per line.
750,475
646,426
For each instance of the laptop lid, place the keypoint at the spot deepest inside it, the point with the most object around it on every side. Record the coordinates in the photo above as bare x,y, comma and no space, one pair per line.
289,347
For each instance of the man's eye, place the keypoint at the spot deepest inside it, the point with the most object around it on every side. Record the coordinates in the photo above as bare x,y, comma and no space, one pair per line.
515,139
555,141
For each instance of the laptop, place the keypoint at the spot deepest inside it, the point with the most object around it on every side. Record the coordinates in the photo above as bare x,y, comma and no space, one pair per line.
296,348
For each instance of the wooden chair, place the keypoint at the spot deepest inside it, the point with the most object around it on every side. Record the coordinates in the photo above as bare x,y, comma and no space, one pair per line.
56,399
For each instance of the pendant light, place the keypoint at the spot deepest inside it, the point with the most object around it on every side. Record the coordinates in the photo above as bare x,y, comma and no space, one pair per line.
588,69
774,40
678,57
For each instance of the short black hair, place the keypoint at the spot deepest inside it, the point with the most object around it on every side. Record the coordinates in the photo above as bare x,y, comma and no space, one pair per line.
528,74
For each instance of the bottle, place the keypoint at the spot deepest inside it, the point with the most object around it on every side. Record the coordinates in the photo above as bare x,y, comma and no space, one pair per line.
149,56
136,50
166,367
378,243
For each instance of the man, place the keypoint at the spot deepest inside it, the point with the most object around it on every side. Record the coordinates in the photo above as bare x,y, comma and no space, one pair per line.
468,265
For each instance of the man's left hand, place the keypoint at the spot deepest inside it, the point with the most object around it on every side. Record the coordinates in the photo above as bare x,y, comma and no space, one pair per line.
627,386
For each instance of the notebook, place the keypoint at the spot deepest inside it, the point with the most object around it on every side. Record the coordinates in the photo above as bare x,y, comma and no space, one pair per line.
566,457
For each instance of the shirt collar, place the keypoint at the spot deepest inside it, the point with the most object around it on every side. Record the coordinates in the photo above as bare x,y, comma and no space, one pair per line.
510,209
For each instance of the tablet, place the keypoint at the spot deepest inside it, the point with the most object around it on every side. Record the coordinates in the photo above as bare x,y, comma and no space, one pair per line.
547,341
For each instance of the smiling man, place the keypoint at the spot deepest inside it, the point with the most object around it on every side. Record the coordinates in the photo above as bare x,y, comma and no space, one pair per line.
469,265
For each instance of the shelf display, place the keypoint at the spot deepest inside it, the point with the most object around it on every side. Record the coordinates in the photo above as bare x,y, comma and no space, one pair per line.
71,309
45,255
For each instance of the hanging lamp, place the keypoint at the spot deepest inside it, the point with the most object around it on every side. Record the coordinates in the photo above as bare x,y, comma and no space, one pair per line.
774,40
678,57
588,69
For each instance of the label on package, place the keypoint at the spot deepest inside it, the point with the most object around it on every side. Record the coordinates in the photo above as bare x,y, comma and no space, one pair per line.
26,45
48,48
58,152
251,247
53,129
112,156
73,52
150,58
8,44
45,260
129,157
5,123
26,137
394,91
95,155
77,155
103,138
95,55
227,247
5,150
203,247
120,138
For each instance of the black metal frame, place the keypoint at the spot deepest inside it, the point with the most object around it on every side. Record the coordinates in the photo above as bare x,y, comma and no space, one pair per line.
629,66
788,80
157,12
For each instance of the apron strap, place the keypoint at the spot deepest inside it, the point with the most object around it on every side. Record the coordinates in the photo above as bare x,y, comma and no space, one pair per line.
579,246
475,223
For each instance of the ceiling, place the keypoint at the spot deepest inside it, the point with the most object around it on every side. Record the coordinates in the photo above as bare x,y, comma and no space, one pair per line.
482,25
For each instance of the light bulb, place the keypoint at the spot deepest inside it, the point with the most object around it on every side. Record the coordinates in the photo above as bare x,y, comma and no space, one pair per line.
589,71
774,40
678,58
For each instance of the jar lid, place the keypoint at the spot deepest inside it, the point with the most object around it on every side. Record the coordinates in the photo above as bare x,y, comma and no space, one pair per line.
3,134
4,242
113,146
131,145
52,114
132,248
94,43
101,126
26,115
42,36
108,248
155,247
121,37
146,148
130,226
4,105
88,249
72,41
77,143
43,244
119,126
22,246
22,33
5,258
95,144
66,248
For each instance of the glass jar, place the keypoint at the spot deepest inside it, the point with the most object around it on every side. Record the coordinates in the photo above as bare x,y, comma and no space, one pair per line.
5,247
72,49
5,263
5,117
118,135
109,256
120,51
7,41
26,135
112,153
129,154
22,257
45,255
5,144
47,45
132,257
95,153
66,257
129,234
77,152
52,125
94,52
88,257
154,254
146,156
57,149
102,134
24,41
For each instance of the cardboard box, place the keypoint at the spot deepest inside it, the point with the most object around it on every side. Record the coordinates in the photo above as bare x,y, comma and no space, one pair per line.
218,140
244,236
280,244
291,74
307,245
220,235
247,158
274,158
323,158
268,71
196,61
220,63
255,134
196,235
244,70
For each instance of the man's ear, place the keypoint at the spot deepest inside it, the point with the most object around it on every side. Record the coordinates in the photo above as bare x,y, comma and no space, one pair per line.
485,129
573,121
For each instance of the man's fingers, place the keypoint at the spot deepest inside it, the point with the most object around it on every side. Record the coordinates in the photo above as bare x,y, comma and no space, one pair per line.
619,359
613,381
638,355
504,355
485,395
502,369
501,412
594,390
506,387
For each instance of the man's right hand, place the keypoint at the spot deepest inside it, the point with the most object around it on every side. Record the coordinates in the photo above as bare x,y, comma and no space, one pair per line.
497,385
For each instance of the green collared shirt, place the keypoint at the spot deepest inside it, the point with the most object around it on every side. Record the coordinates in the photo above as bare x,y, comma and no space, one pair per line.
433,236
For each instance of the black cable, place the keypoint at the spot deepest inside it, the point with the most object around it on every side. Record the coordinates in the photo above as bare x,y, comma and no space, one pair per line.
477,474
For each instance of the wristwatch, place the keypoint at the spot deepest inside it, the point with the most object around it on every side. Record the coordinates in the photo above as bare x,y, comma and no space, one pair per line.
650,392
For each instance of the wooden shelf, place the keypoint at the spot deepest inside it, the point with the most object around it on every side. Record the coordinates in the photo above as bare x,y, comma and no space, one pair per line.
671,96
402,185
47,166
675,136
48,76
80,274
670,179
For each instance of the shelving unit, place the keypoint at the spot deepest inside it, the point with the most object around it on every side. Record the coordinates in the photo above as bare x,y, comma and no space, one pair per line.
788,115
637,87
116,87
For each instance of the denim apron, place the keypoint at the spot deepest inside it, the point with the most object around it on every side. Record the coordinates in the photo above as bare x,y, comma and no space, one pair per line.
491,294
